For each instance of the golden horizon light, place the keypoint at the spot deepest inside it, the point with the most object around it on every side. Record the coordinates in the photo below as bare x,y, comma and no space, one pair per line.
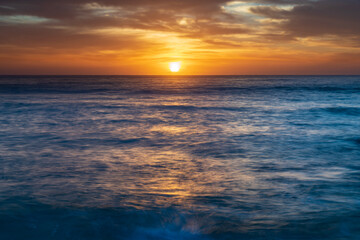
213,37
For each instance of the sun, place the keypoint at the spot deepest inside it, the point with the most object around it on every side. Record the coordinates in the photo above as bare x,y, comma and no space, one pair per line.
175,66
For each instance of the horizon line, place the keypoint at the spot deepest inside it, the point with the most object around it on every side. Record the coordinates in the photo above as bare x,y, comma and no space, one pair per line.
176,75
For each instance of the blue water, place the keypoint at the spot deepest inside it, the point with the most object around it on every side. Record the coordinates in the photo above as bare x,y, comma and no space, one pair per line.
197,157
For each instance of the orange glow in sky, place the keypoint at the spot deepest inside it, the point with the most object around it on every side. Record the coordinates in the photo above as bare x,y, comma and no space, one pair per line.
210,37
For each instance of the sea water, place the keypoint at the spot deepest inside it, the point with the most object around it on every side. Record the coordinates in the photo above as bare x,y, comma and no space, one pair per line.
179,157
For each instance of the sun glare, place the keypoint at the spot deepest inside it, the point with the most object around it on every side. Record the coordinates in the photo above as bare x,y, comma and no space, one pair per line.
175,66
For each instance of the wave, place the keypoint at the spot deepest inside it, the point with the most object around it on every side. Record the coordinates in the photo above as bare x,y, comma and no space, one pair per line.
352,111
25,218
45,221
148,86
91,142
196,108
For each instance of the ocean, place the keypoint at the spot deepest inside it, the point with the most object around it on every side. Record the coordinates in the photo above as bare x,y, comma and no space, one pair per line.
179,157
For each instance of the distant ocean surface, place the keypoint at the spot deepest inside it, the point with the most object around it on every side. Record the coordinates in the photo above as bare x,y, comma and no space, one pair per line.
179,158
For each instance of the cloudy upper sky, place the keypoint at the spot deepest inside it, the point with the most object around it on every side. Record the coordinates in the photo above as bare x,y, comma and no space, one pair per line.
207,36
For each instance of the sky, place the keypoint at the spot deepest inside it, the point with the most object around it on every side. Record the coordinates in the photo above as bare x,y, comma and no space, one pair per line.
209,37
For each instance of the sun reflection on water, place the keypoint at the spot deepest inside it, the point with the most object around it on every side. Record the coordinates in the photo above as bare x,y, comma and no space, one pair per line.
230,150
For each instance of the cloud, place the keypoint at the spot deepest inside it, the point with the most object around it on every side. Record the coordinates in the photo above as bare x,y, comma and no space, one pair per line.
22,19
70,9
161,29
205,17
315,18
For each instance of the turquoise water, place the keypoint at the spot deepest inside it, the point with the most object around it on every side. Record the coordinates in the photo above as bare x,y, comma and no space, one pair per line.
196,157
